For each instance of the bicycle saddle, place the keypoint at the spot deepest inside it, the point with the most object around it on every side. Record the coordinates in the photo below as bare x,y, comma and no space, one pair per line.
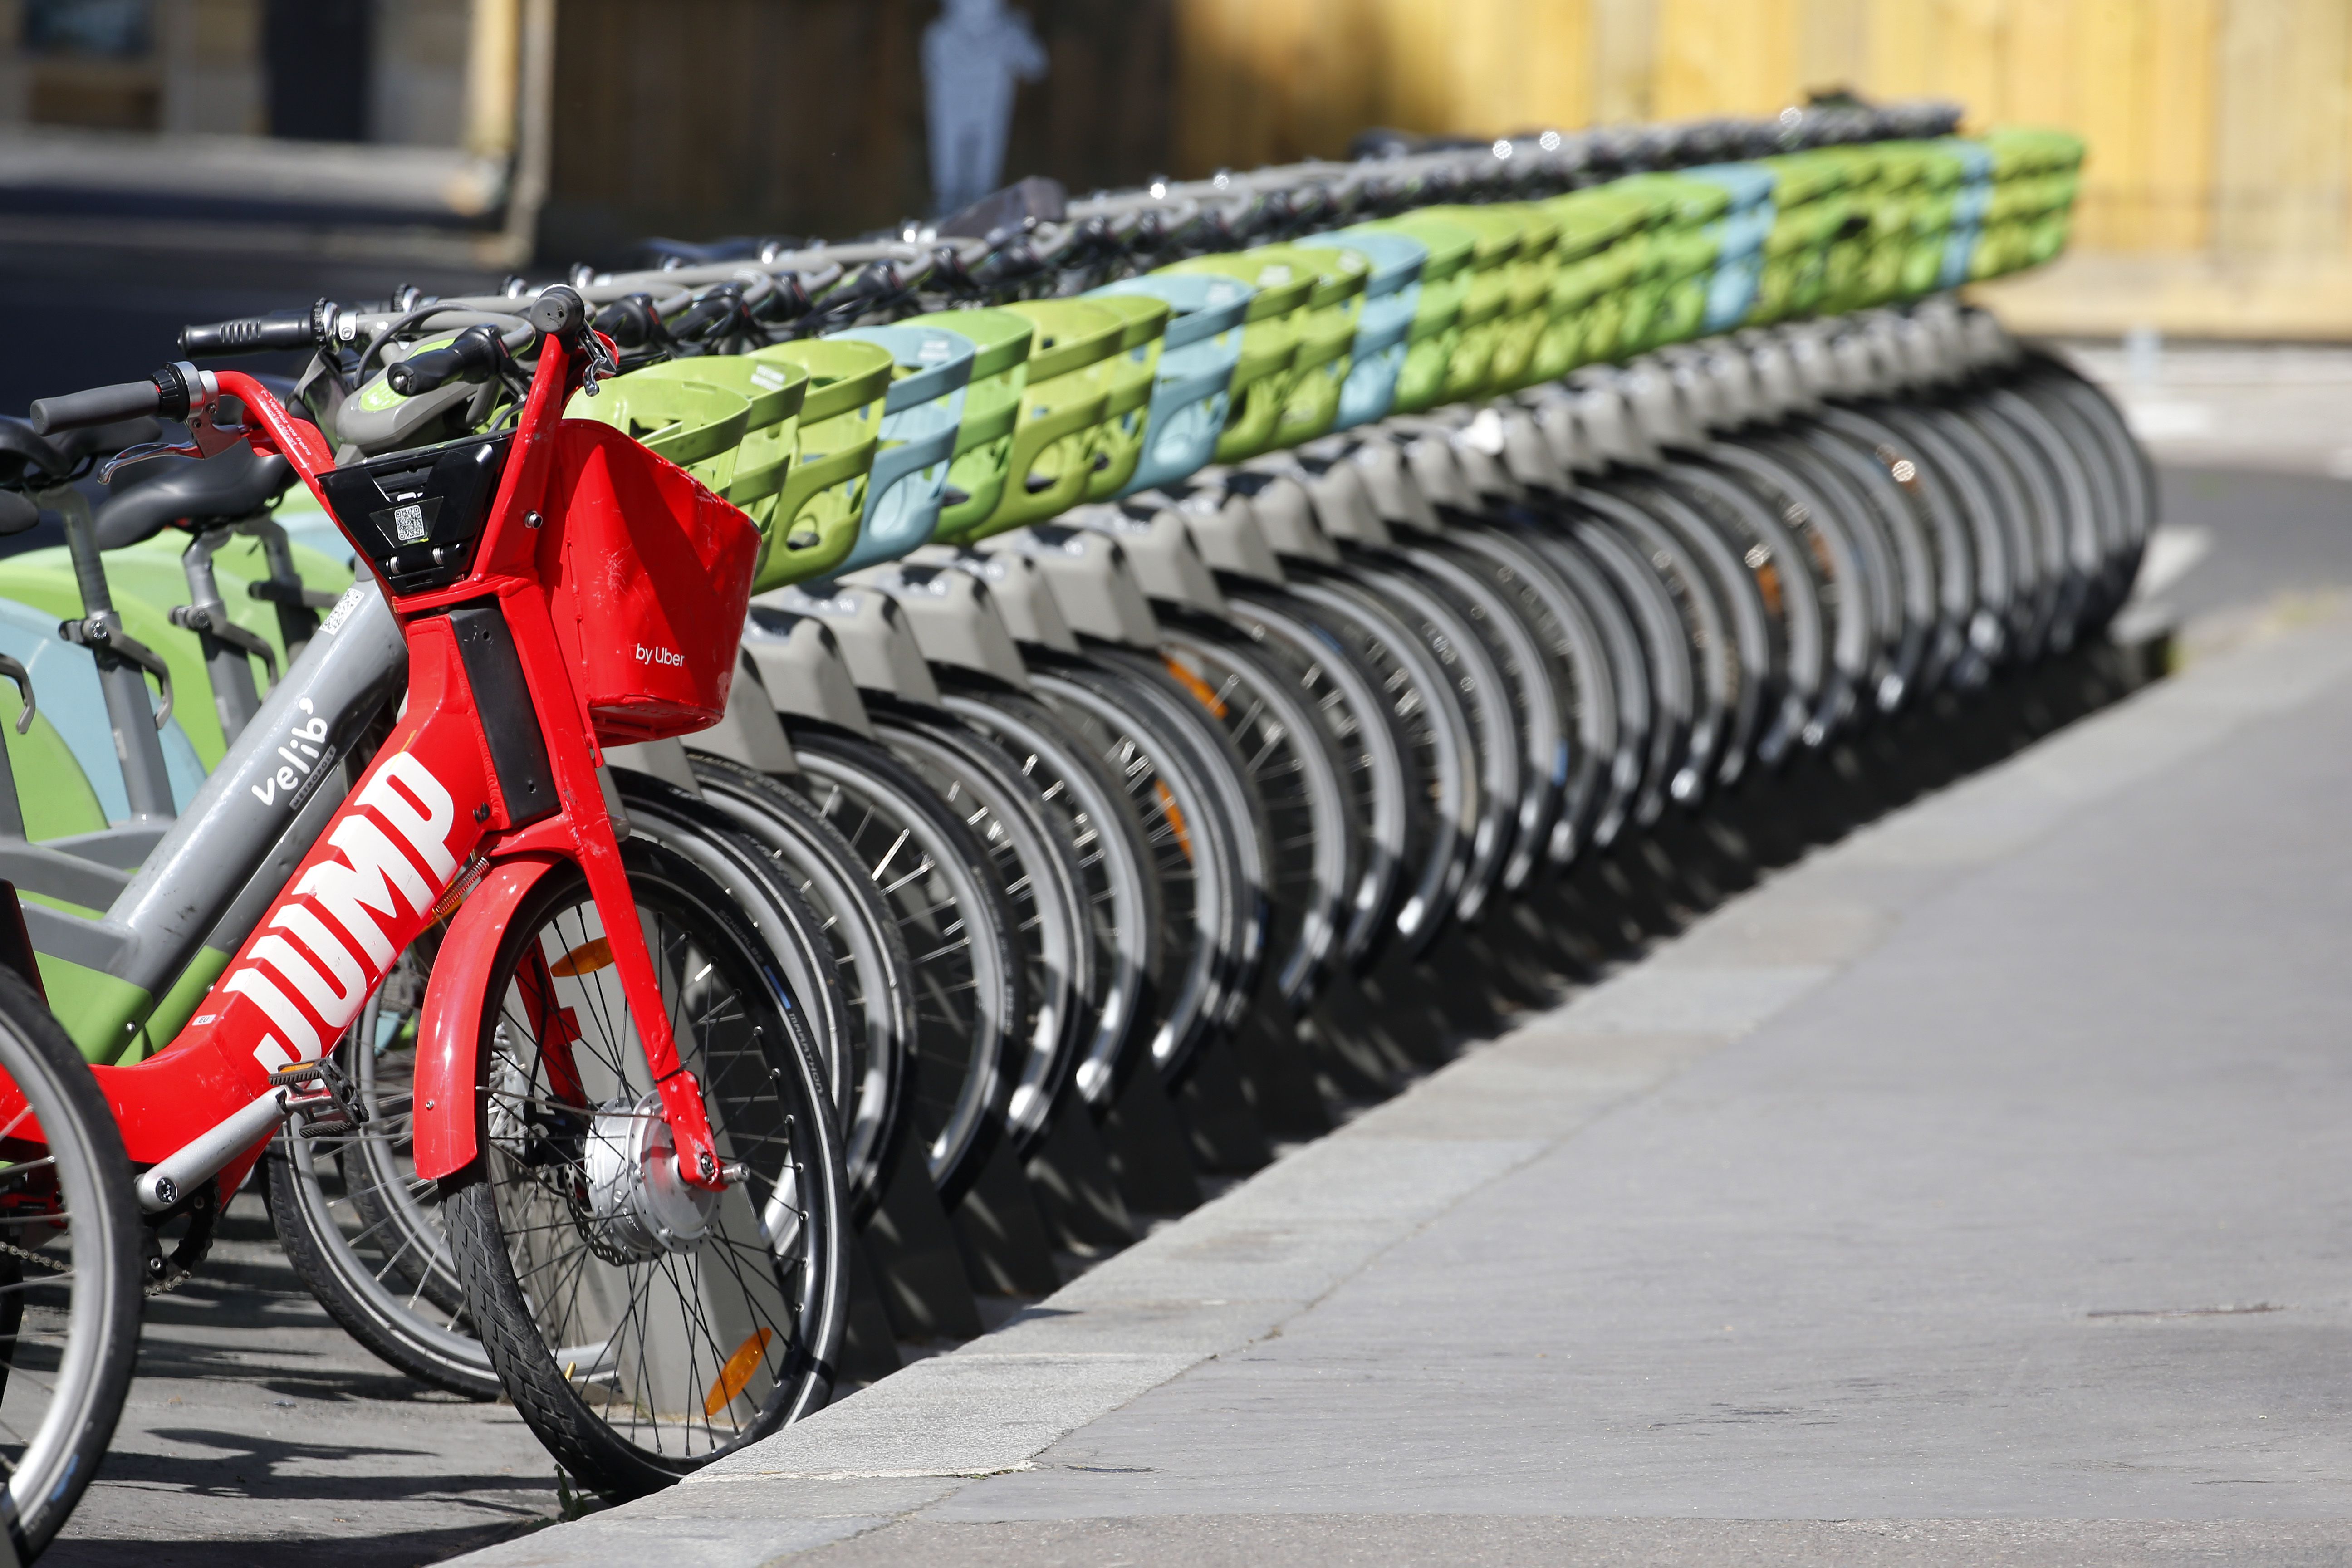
660,252
105,440
26,458
21,452
194,491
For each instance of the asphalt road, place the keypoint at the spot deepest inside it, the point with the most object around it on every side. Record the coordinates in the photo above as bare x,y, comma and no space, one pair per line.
258,1434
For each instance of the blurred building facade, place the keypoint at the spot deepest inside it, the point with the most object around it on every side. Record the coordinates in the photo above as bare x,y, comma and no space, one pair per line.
344,70
2218,195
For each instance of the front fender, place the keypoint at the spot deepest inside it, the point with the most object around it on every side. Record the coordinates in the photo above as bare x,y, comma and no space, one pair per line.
449,1035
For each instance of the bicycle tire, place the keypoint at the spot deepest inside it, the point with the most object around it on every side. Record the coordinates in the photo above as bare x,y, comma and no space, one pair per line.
875,972
407,1310
943,893
1175,807
1253,690
1472,686
780,1268
1516,645
1588,585
1038,870
1346,704
1119,891
1588,717
78,1171
426,1334
1434,739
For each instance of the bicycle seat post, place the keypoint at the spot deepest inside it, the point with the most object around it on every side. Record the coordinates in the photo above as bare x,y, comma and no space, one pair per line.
297,606
122,665
228,648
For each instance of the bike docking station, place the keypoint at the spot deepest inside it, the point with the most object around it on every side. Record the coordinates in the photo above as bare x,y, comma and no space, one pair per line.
1082,698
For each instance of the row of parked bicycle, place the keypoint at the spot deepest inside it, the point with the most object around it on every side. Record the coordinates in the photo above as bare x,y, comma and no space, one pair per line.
707,757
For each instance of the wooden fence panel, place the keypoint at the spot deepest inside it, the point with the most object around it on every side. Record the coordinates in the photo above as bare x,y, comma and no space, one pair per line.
2219,130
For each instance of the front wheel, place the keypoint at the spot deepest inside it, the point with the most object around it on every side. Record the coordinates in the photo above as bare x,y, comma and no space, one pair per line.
642,1327
69,1271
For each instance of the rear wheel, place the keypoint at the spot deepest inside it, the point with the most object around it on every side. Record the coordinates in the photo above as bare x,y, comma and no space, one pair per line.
362,1231
642,1327
70,1276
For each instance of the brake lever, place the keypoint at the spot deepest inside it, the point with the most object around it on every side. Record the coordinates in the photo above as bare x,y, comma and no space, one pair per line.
602,361
207,438
140,453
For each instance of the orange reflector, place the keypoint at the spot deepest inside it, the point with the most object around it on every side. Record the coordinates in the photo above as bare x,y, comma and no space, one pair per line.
1175,818
1196,686
736,1373
587,959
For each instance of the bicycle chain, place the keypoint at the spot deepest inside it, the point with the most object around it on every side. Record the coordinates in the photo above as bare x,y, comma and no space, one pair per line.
170,1280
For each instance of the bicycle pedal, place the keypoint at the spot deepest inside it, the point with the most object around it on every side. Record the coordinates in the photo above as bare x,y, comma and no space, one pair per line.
304,1073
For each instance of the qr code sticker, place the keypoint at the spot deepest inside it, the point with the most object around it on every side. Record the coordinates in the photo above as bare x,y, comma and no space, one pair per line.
408,524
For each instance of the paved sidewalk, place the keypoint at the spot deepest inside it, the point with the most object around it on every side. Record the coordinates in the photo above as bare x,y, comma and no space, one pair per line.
2279,406
1978,1190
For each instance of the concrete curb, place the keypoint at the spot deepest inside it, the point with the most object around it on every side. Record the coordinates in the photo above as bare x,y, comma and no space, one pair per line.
1236,1269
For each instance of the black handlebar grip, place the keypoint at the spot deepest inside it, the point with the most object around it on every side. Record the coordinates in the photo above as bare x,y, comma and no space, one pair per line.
247,337
560,313
425,372
703,314
99,405
630,322
471,356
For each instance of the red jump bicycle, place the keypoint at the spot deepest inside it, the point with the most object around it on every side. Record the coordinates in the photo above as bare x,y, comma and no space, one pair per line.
613,1086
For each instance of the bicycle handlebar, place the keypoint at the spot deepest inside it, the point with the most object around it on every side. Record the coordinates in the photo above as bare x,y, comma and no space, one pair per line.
18,511
100,406
260,335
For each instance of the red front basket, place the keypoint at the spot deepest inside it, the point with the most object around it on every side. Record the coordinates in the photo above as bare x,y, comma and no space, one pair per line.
649,594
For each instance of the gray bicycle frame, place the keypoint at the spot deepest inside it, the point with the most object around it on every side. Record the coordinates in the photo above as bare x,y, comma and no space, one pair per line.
215,871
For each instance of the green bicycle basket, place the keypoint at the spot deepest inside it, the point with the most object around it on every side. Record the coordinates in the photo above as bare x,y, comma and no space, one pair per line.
1597,226
1270,334
992,407
1436,329
771,436
822,501
1131,375
1484,303
694,422
1326,337
1052,455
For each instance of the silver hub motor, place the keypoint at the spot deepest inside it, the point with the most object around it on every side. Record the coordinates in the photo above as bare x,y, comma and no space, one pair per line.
636,1196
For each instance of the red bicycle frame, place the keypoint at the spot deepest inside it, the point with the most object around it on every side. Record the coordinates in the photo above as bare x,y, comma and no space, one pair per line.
432,814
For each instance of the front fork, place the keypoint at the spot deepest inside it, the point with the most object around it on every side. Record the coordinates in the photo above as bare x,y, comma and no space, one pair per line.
583,826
